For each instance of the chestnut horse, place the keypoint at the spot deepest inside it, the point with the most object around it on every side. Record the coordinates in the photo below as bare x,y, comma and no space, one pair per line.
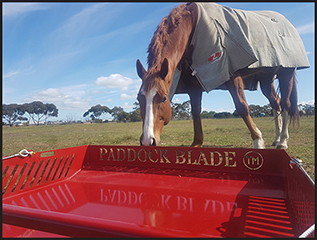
169,45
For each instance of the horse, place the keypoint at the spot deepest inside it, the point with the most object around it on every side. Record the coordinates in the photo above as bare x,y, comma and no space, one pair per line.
170,50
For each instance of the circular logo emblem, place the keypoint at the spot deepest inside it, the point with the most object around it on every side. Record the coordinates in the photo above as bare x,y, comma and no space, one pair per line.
253,160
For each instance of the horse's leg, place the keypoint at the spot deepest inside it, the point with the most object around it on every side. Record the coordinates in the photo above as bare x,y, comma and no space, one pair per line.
278,127
268,90
286,79
195,101
236,87
284,133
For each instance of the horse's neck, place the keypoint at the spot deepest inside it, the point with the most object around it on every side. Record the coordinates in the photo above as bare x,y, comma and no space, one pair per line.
175,50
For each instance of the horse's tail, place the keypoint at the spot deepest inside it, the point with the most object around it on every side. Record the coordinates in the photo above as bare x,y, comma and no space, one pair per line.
294,113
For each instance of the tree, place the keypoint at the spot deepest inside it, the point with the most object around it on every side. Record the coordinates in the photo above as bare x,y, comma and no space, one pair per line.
235,114
181,110
306,107
254,110
123,116
223,115
96,111
135,116
39,111
267,110
115,111
51,111
206,114
70,118
257,111
136,105
186,106
12,113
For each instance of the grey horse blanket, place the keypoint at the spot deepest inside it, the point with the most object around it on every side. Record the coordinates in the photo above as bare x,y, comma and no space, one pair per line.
226,40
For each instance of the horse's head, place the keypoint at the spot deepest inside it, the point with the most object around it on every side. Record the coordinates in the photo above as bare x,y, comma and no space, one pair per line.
155,105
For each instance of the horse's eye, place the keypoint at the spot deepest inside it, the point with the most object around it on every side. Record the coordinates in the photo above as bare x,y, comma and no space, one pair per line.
164,99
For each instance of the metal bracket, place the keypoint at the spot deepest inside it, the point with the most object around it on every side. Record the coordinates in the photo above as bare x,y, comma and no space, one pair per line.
194,73
296,161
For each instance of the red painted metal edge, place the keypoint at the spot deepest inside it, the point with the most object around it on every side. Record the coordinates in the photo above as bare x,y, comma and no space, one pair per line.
75,226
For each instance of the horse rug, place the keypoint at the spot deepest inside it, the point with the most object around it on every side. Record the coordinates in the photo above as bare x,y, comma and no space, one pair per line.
226,40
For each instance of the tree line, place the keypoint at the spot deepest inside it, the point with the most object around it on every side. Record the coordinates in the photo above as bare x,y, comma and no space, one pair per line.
183,111
180,111
38,112
35,111
118,114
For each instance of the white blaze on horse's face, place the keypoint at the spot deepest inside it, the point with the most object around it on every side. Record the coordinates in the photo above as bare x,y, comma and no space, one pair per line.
155,106
148,122
155,112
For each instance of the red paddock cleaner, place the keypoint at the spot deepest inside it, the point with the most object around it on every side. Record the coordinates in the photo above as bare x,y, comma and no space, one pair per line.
133,191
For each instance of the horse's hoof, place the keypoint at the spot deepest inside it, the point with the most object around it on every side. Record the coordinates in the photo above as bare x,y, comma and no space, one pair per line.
196,144
281,147
259,143
282,144
274,144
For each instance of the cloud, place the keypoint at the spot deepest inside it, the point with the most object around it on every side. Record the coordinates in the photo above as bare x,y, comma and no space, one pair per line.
79,30
67,98
311,102
83,21
224,110
125,32
125,96
128,107
307,28
17,72
10,74
15,9
115,81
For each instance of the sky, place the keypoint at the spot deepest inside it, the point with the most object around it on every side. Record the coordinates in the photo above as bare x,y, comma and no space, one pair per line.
77,55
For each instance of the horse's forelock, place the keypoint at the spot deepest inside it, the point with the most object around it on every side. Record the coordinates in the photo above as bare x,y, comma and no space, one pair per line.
155,82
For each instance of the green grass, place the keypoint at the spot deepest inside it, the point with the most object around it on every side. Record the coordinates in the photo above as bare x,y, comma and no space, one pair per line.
217,133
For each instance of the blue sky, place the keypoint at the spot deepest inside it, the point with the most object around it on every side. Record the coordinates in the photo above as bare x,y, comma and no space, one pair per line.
77,55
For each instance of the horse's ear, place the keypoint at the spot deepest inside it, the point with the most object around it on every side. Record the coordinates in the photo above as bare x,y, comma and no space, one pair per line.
140,69
164,69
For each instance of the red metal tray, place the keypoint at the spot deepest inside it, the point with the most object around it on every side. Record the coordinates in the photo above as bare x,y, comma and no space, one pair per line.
131,191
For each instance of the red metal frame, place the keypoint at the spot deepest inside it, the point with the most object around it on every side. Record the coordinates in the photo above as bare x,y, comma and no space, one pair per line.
97,191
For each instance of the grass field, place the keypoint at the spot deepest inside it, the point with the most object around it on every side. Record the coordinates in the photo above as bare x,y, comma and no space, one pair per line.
217,133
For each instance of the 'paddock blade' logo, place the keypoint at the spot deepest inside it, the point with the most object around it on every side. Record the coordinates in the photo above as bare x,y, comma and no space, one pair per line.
214,56
253,160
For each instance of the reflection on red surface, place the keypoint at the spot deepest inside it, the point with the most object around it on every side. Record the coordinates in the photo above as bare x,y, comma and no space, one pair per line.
190,205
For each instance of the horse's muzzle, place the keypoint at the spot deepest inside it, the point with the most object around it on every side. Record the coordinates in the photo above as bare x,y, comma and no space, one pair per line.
152,141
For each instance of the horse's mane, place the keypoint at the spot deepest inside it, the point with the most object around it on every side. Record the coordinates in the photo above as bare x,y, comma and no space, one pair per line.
160,39
162,34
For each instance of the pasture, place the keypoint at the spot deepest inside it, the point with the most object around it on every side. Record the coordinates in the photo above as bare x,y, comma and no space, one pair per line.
230,132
